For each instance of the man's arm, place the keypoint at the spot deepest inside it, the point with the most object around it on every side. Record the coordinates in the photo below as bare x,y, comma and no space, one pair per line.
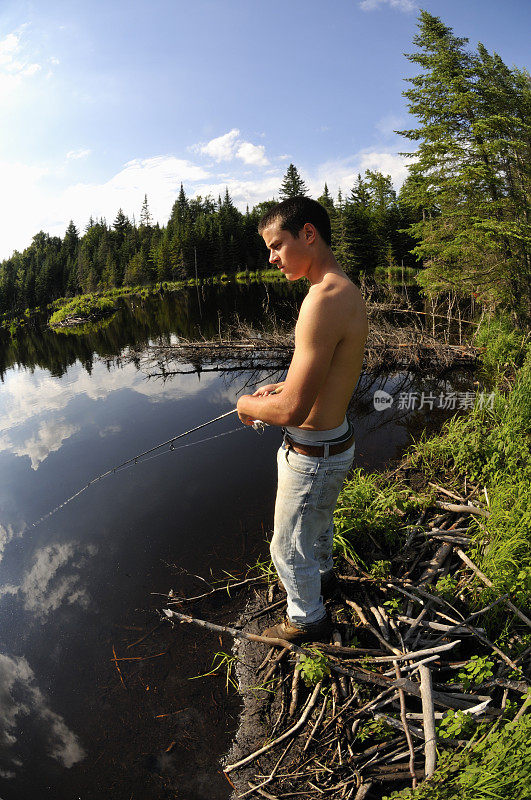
317,334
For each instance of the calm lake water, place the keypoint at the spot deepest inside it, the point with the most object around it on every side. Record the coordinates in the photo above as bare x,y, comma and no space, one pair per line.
80,589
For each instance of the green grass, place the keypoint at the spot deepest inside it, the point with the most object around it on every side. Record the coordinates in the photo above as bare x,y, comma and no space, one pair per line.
83,306
370,511
491,448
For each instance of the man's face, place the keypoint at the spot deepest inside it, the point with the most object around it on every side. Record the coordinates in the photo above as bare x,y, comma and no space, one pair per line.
290,254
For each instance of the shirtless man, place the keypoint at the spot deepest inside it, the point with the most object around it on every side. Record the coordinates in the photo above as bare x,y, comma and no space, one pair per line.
310,405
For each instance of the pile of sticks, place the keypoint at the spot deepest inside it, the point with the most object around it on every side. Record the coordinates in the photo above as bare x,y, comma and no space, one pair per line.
368,723
388,347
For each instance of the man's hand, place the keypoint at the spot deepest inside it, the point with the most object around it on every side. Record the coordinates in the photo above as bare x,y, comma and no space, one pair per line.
245,418
270,388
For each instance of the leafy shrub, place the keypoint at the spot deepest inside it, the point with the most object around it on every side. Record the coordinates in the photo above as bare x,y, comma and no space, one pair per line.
477,670
313,668
498,767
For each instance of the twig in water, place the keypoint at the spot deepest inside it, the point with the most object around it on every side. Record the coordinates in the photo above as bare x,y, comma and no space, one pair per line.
115,659
143,638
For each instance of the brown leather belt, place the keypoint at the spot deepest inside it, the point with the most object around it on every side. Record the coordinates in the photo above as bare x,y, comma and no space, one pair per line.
317,450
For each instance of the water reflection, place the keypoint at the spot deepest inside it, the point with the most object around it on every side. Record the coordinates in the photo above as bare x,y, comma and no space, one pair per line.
140,321
20,696
55,578
39,413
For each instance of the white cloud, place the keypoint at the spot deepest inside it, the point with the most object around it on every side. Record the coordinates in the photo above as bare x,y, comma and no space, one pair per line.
388,124
402,5
222,148
252,154
6,535
20,696
230,146
15,66
27,206
74,155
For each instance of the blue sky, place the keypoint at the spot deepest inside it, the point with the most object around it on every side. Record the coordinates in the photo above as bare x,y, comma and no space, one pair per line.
103,102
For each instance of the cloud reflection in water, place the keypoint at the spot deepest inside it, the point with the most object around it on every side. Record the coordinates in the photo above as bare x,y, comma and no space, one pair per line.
20,696
45,586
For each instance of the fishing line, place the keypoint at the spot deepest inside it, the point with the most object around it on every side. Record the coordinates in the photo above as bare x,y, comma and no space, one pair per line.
135,459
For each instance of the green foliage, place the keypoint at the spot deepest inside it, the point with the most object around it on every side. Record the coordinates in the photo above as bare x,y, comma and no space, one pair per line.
292,184
491,447
264,567
469,184
381,569
394,605
377,730
313,668
456,724
497,767
477,670
446,587
503,347
343,547
223,664
83,307
367,505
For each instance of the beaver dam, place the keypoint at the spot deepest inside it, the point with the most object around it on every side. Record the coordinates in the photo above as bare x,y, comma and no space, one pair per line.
395,342
410,676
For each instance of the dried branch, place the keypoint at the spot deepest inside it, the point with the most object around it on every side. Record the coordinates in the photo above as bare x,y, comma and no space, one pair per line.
306,713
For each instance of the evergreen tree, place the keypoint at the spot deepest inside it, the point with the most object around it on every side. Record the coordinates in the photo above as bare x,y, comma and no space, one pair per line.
471,180
146,218
341,240
292,184
359,194
326,200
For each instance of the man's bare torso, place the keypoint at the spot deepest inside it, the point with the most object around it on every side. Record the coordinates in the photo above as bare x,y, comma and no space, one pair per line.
345,318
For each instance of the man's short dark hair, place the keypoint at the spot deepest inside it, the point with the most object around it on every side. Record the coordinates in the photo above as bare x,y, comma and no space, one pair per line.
294,213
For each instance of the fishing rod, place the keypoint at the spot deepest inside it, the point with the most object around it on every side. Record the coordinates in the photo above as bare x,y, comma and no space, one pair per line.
257,425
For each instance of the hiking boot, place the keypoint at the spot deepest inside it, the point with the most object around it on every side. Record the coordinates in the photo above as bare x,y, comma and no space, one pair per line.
317,631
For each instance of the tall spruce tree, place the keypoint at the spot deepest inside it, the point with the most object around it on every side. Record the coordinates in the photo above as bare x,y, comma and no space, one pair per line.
292,184
146,218
326,200
471,181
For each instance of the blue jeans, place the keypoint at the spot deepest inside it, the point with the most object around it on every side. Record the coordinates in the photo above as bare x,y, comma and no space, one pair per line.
301,548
